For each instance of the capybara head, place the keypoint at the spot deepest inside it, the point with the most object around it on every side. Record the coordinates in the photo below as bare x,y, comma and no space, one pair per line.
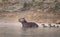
22,20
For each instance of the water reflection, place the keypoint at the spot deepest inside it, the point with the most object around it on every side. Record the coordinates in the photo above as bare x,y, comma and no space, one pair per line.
16,31
41,32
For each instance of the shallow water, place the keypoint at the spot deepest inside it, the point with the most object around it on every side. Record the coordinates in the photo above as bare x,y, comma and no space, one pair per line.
14,30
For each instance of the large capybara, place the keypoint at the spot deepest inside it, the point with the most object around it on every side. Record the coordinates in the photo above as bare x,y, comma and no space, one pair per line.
27,24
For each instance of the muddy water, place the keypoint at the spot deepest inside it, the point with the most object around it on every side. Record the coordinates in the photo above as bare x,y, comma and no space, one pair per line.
15,30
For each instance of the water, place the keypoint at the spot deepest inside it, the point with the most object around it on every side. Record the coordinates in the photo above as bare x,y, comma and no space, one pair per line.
14,30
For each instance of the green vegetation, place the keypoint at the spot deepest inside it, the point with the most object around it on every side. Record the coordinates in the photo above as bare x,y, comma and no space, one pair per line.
26,5
54,7
33,0
4,0
57,5
40,5
33,4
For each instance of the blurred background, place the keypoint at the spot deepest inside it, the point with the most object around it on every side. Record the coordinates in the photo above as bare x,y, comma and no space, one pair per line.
41,11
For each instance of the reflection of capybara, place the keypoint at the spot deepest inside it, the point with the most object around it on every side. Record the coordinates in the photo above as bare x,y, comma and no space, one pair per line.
27,24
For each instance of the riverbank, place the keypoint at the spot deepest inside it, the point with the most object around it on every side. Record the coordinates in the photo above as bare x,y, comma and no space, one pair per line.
39,17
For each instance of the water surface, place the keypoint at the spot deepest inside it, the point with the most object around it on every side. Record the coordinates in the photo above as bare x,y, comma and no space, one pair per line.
14,30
